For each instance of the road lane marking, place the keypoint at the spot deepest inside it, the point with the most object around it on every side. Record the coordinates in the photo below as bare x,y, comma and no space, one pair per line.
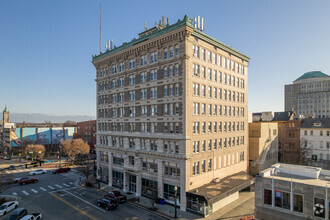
14,194
43,189
50,187
71,183
58,186
26,193
72,206
33,190
66,185
84,201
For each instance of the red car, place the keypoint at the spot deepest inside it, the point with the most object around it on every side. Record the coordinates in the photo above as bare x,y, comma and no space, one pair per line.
114,194
62,170
26,180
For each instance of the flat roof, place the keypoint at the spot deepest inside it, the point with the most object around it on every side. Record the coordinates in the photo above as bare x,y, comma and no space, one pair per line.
180,23
214,192
297,173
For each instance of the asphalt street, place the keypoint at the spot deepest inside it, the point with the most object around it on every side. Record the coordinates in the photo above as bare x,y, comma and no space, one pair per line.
60,197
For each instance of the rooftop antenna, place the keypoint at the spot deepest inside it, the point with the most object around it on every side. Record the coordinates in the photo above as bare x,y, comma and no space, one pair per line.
168,21
202,24
100,27
198,22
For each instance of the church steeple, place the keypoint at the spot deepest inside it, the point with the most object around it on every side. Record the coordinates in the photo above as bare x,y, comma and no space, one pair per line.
5,115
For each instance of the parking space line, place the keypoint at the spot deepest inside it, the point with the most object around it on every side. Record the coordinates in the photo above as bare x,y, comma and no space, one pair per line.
50,187
26,193
14,194
33,190
66,185
43,189
72,206
58,186
84,201
71,183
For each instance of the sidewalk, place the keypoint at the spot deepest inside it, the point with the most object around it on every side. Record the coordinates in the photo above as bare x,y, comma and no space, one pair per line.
165,211
244,206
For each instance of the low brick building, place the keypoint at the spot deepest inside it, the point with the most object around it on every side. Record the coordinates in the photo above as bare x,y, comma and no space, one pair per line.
86,130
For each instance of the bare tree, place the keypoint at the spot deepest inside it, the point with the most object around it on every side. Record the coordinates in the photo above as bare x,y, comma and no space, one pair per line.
69,123
84,165
37,150
304,151
75,147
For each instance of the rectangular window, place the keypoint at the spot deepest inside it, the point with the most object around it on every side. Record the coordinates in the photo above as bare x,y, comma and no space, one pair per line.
319,208
267,197
298,203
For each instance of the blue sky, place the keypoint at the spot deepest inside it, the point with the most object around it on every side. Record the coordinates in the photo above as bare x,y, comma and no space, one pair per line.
46,47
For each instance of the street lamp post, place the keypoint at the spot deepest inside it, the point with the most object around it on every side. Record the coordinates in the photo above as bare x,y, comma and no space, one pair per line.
175,198
59,154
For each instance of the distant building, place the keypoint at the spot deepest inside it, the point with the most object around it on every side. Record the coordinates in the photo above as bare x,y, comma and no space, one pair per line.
263,146
172,114
309,95
293,192
315,136
288,137
86,130
5,128
262,116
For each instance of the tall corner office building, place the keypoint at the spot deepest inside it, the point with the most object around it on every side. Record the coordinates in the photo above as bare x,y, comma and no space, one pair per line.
171,111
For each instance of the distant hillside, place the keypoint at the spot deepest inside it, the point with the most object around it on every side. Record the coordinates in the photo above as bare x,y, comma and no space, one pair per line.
40,118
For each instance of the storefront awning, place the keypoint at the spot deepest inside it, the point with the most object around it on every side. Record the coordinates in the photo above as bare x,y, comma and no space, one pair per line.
213,192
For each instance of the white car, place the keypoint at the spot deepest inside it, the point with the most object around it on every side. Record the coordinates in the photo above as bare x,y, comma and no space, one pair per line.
7,207
36,172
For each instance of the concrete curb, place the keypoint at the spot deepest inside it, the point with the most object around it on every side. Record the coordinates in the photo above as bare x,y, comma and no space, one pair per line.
145,208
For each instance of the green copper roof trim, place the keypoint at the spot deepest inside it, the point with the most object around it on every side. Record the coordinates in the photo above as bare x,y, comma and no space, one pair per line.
6,109
180,23
217,43
312,74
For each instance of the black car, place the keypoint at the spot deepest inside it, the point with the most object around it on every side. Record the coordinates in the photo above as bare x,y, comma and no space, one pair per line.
17,214
107,204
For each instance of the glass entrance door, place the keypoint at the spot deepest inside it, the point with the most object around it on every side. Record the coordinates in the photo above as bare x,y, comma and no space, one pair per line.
132,183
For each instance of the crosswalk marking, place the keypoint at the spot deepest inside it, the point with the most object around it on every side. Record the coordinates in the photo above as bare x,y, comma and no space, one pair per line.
66,185
43,189
33,190
50,187
58,186
14,194
26,193
71,183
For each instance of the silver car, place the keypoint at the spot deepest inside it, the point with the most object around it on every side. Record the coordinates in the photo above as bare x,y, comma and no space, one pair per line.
7,207
36,172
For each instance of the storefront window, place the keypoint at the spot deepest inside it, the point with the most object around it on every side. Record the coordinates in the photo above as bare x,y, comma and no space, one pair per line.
319,209
149,188
267,197
195,204
169,194
117,179
298,203
104,174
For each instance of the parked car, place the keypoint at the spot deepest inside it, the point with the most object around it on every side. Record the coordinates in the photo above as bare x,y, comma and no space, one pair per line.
33,216
114,194
107,204
36,172
7,207
17,179
7,180
26,180
17,214
62,170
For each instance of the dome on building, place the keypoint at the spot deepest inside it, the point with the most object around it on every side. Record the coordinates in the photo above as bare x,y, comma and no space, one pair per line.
312,74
